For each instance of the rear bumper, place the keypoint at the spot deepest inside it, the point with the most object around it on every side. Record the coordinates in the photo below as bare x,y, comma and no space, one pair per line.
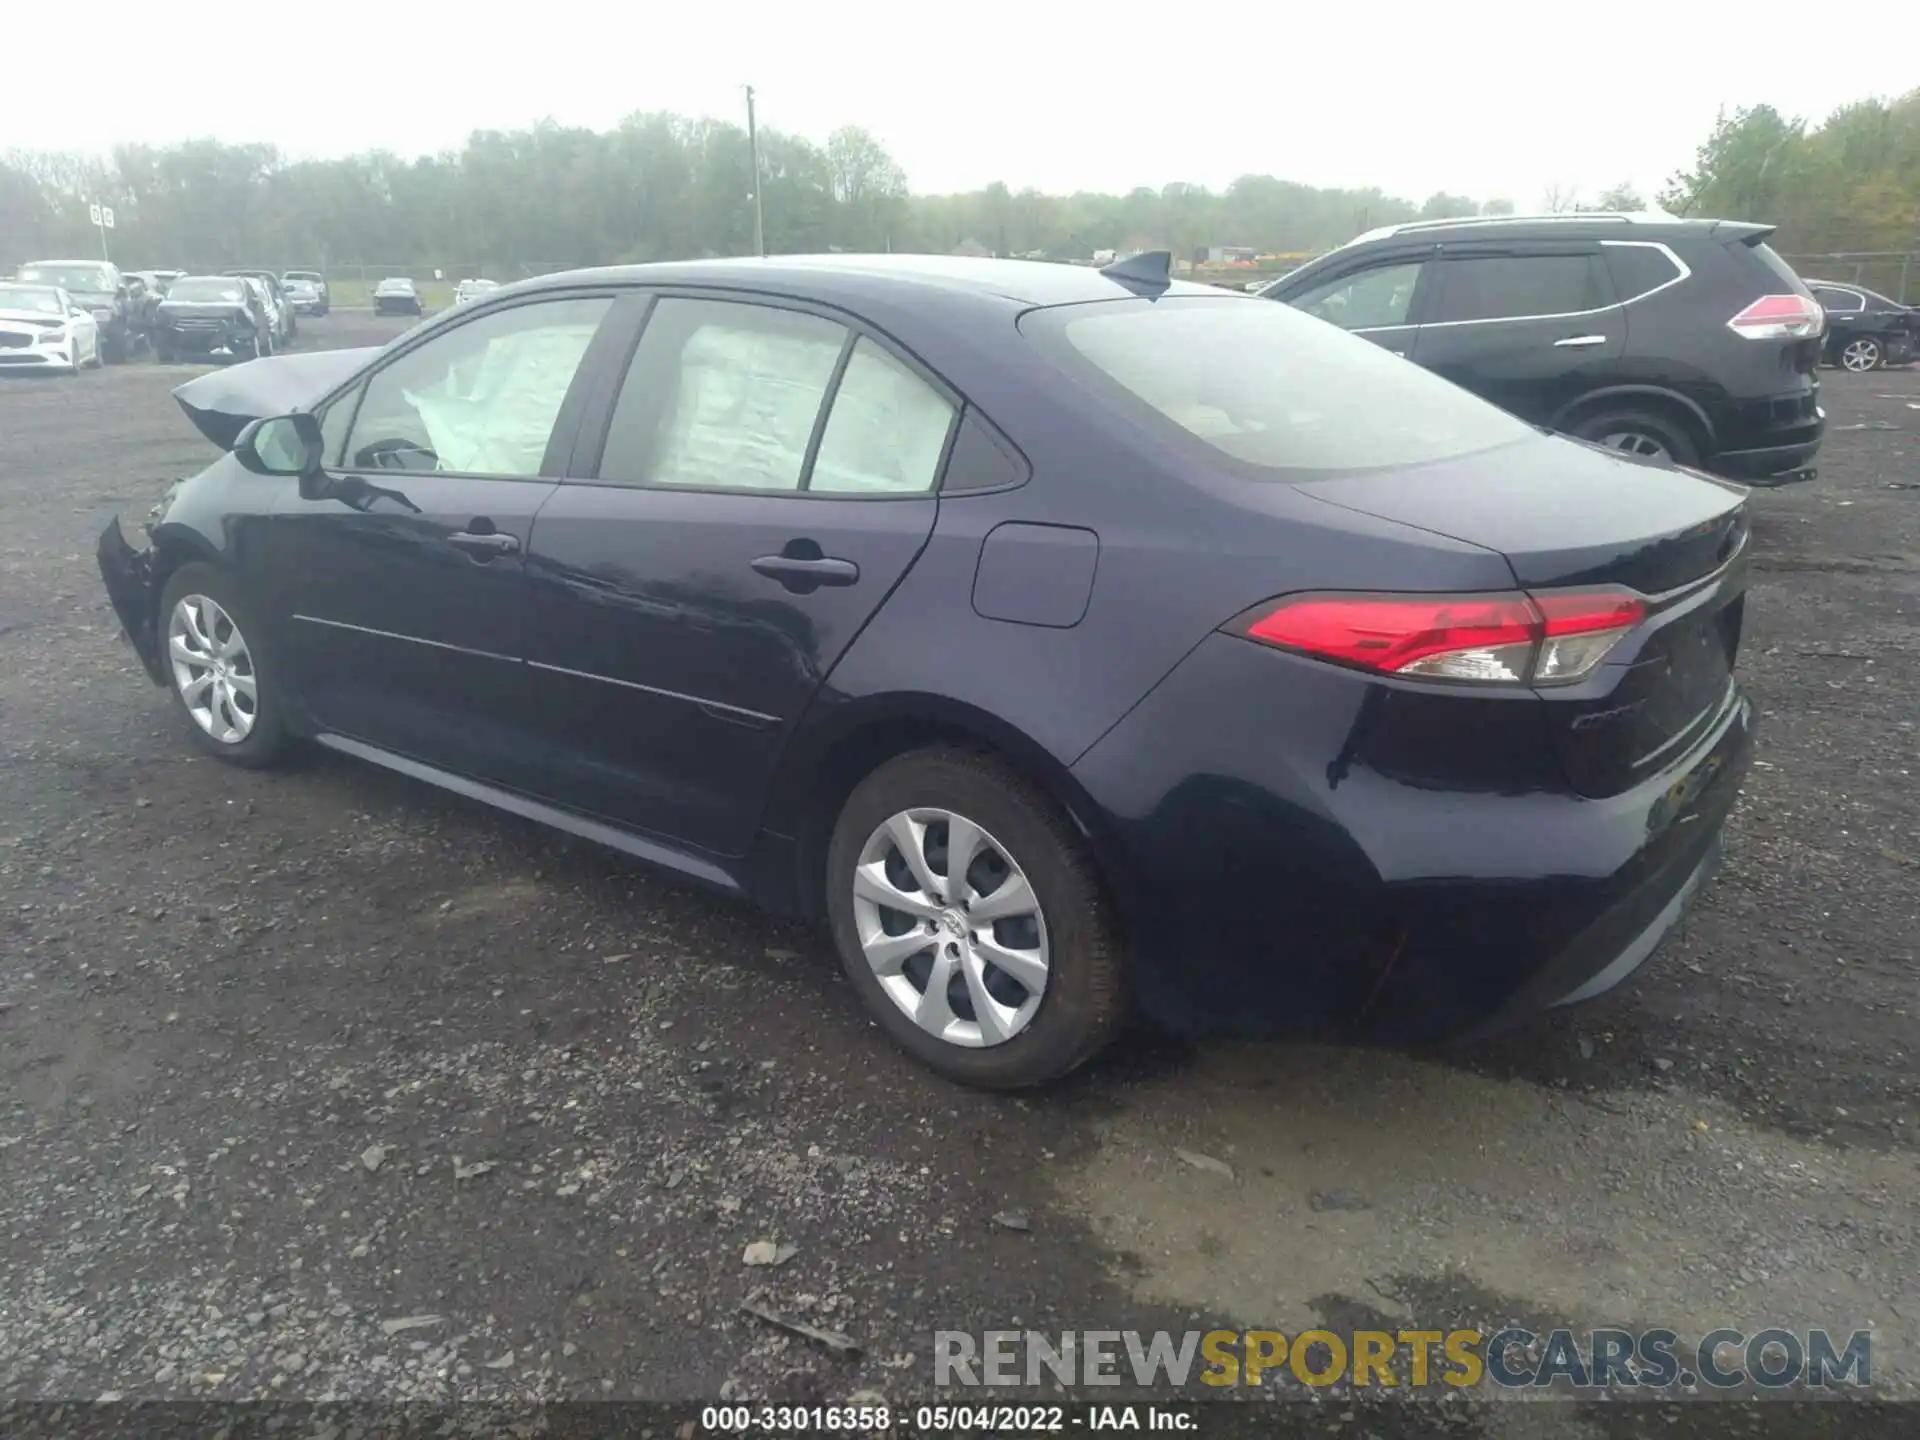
129,582
1290,863
1771,441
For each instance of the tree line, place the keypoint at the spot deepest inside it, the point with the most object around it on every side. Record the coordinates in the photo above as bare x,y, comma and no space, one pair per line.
660,186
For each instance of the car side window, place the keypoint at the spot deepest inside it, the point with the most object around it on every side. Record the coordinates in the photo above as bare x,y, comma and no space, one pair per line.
1513,287
1839,299
334,421
1373,299
478,399
722,395
1638,269
886,431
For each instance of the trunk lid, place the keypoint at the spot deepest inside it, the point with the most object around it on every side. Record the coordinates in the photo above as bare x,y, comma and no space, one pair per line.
1568,515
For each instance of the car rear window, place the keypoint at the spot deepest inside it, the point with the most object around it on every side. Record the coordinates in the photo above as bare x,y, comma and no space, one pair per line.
1271,391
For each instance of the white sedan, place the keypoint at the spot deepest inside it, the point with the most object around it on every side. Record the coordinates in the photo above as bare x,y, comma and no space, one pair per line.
42,329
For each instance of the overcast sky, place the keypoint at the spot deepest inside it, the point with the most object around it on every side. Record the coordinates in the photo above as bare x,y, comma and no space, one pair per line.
1489,100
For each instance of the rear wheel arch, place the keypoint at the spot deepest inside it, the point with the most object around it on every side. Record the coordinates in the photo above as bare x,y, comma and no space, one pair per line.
820,771
1675,408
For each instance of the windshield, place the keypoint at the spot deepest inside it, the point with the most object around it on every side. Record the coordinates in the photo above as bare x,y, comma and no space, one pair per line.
84,279
395,285
1269,390
206,291
302,275
21,297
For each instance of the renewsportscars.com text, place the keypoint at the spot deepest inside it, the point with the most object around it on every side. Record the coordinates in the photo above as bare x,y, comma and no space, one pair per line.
1512,1358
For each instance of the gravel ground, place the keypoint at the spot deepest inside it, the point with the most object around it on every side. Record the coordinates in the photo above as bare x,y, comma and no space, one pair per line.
324,1084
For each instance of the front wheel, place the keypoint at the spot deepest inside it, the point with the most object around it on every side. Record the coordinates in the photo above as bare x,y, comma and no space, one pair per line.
970,917
222,677
1642,433
1862,354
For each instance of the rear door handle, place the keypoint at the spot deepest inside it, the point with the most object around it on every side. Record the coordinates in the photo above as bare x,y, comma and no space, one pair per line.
801,574
483,545
1579,342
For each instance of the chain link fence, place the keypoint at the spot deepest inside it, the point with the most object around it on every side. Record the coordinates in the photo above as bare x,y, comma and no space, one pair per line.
1893,273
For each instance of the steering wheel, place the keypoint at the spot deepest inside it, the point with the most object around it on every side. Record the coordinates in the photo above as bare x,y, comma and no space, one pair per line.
397,454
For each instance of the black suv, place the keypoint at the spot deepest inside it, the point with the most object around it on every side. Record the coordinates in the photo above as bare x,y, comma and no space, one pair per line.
1689,340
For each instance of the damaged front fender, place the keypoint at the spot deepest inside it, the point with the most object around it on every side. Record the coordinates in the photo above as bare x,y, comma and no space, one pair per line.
128,576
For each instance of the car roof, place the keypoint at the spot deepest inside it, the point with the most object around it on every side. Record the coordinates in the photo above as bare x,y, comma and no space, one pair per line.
851,278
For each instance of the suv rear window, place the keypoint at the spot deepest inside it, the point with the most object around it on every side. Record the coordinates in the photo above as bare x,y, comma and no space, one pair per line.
1511,287
1271,391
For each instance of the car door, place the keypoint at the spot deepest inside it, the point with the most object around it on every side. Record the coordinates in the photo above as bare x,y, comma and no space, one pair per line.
757,481
399,575
1377,295
1531,326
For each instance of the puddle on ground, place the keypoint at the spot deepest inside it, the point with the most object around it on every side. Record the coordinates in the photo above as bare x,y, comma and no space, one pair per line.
1369,1175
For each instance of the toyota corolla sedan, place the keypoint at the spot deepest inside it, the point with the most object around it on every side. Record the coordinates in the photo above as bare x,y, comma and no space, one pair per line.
1067,641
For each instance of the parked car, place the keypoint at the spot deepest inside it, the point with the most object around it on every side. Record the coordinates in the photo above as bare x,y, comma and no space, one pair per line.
1684,339
285,324
470,290
303,295
44,328
396,295
1061,638
206,314
313,283
100,288
1866,330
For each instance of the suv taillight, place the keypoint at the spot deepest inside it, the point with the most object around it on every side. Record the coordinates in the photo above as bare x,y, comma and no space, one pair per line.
1779,317
1554,638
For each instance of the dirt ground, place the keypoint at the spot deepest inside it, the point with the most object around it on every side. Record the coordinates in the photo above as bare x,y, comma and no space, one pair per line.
286,1059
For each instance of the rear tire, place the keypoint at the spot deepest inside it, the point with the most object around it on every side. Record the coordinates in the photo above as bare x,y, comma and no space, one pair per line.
1062,993
1644,433
1861,354
213,646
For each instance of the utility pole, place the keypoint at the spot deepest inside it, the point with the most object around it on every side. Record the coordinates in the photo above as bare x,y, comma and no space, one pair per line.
759,210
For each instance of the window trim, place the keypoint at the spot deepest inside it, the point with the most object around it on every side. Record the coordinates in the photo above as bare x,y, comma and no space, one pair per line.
589,448
1520,248
566,421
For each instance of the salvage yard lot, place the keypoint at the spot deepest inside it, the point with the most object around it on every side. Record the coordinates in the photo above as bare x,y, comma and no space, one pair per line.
284,1057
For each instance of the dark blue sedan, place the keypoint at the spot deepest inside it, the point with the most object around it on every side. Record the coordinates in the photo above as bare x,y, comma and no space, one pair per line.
1068,640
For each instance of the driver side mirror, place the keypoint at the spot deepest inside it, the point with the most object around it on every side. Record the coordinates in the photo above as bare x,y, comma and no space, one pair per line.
281,445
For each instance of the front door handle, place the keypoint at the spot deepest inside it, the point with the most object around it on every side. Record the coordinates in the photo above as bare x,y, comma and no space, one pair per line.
483,545
1579,342
804,573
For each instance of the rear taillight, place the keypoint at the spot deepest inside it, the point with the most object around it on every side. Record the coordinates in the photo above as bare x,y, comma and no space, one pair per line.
1554,638
1779,317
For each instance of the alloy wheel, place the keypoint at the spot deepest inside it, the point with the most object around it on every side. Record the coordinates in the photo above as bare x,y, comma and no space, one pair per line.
1861,355
1636,442
951,927
212,669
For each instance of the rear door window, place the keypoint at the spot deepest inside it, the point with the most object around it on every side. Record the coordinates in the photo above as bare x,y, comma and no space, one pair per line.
1519,286
1264,391
1838,299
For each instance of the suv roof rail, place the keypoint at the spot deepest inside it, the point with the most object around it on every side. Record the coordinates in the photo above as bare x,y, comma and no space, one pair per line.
1621,217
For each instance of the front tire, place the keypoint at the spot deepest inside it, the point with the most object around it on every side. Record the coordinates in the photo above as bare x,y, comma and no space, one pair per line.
1861,354
222,679
1005,975
1643,433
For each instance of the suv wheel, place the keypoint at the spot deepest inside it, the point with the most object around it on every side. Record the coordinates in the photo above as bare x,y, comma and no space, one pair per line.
1862,354
1640,432
968,914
